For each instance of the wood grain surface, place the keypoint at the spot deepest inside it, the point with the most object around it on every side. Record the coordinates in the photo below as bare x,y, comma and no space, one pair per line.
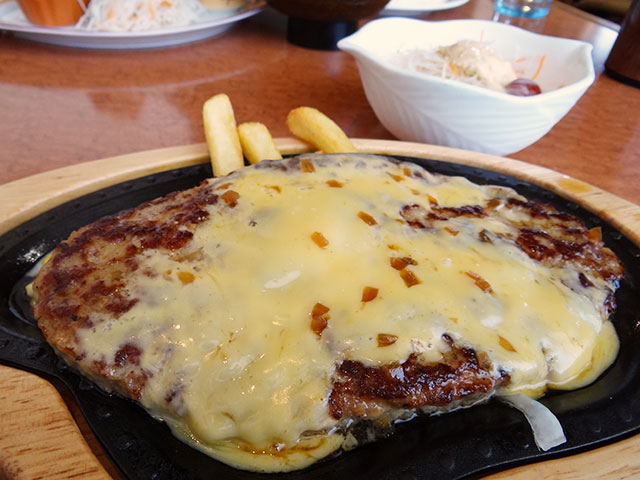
39,437
72,106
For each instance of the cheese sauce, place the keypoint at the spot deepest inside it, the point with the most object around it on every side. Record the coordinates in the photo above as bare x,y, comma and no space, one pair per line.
225,327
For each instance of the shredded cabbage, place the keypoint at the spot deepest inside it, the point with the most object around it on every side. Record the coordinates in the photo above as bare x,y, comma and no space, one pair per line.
135,15
547,431
467,61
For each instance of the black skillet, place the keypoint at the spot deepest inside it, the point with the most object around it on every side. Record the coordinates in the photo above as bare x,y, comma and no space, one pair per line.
465,444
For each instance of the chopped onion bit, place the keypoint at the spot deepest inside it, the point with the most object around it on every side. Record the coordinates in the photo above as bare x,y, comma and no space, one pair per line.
547,431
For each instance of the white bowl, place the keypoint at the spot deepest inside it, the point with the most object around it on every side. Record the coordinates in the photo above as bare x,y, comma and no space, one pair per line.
423,108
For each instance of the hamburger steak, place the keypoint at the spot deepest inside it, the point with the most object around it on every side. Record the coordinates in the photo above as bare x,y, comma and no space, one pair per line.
263,314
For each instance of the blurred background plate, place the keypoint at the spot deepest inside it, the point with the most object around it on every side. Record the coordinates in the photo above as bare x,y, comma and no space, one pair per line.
13,20
419,7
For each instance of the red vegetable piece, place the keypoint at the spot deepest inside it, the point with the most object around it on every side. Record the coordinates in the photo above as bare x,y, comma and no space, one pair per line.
523,87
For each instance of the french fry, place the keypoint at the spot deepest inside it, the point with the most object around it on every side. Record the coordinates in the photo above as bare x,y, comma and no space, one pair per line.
257,143
319,130
222,135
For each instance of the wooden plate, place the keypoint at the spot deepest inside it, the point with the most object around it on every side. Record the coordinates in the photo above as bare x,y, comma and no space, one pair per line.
39,437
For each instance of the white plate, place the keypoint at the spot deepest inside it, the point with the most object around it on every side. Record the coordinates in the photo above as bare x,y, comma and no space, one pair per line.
419,7
13,20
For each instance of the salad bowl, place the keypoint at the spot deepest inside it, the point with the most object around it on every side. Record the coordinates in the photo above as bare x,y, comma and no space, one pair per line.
421,107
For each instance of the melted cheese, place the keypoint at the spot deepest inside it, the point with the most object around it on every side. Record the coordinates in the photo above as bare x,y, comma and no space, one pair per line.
234,366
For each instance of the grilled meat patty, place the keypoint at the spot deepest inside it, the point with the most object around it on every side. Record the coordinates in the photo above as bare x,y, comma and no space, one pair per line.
259,314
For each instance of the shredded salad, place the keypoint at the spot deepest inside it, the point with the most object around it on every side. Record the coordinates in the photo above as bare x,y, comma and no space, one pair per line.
467,61
135,15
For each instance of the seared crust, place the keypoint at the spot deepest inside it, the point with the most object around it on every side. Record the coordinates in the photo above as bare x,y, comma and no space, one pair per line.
87,276
368,392
544,234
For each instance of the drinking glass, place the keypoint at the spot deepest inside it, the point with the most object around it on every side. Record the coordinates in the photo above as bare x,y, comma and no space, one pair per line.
528,14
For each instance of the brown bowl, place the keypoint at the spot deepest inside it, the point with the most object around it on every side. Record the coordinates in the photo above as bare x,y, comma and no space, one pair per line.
329,10
52,13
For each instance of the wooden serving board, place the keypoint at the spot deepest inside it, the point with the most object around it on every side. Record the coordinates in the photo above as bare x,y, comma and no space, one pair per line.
39,437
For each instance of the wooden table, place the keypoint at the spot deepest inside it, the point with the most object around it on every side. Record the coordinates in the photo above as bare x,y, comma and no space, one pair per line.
62,107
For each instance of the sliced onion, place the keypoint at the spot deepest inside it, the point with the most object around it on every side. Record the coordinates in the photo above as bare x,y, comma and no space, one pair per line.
547,431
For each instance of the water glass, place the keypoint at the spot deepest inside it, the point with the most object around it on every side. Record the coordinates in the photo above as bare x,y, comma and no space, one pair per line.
528,14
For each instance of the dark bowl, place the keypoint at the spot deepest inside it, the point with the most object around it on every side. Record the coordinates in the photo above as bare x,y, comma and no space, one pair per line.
320,24
329,10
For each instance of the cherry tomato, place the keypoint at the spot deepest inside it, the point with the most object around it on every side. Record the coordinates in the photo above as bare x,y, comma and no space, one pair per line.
523,87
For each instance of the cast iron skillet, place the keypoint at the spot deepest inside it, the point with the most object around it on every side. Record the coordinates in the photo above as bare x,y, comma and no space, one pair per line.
464,444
